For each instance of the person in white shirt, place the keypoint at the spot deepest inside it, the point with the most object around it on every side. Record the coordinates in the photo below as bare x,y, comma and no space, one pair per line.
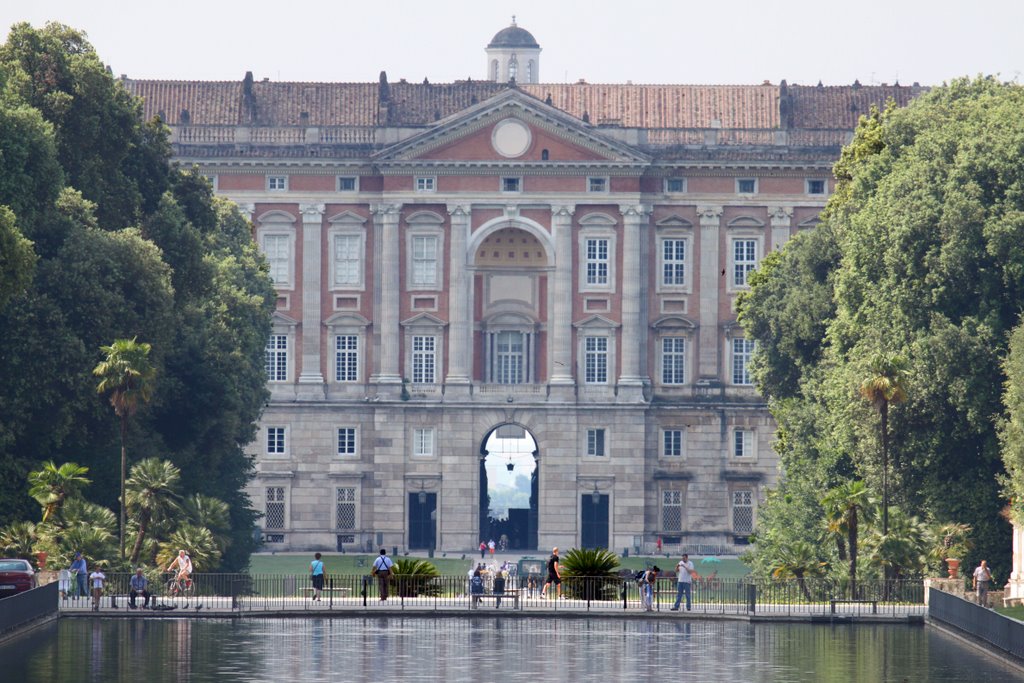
382,567
97,578
685,574
184,566
982,578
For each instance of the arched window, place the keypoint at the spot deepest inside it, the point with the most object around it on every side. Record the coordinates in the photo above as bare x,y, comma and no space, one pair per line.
494,70
529,71
513,68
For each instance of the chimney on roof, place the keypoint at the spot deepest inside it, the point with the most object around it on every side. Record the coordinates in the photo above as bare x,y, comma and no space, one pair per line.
582,81
856,84
303,118
586,117
820,84
766,82
184,117
786,106
248,98
383,100
547,100
425,81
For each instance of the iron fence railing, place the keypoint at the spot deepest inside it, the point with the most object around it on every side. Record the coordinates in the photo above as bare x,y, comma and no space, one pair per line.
290,592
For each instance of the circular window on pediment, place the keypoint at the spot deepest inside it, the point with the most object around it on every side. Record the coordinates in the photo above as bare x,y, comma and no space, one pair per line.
511,138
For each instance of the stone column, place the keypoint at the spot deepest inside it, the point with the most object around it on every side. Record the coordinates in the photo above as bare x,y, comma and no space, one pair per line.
1015,586
460,321
710,281
386,281
312,234
782,220
634,223
560,330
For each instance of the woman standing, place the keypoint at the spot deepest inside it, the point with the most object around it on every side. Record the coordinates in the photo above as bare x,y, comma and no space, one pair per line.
316,570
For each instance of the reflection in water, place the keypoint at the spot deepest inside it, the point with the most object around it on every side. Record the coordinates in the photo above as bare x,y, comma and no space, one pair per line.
484,648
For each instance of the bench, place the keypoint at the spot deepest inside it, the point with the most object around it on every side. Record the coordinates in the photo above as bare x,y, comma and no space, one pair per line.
342,591
873,603
509,594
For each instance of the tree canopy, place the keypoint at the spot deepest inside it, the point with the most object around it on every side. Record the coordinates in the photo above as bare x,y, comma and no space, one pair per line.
920,254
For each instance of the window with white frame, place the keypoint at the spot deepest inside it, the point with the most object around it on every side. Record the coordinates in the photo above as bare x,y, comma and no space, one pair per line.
742,350
744,260
675,185
346,440
597,261
743,512
423,442
742,443
509,354
346,358
348,183
511,185
672,443
275,441
277,183
672,510
278,250
595,360
816,186
348,260
273,512
424,359
597,184
746,185
673,360
424,260
596,442
425,183
673,262
277,358
345,508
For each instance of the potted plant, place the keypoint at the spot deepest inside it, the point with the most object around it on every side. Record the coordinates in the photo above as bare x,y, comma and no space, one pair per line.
952,542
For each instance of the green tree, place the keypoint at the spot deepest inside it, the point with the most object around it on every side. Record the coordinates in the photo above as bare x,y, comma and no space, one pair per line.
128,377
18,539
846,506
885,386
1011,429
799,561
52,485
151,493
17,258
196,541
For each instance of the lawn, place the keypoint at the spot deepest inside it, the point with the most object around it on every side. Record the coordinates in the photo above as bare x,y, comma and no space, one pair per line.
1012,612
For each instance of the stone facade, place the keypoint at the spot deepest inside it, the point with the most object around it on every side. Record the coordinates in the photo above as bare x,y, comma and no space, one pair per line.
565,258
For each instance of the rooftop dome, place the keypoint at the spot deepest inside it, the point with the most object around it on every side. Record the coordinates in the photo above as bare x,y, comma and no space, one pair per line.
513,36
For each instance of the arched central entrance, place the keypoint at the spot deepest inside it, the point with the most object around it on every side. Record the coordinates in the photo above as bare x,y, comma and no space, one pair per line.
509,488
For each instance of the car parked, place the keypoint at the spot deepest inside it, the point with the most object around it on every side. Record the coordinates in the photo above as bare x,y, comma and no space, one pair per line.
16,576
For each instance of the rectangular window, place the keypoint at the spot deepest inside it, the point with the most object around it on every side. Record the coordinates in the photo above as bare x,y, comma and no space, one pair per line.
424,260
274,512
425,184
278,252
746,185
595,357
597,184
673,262
345,510
277,358
595,442
277,183
673,360
742,443
275,441
597,261
423,360
675,185
742,350
347,441
510,184
815,186
346,358
423,442
509,355
347,183
742,512
744,260
672,443
348,260
672,510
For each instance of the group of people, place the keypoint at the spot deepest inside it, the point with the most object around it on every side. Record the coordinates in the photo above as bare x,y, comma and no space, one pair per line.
685,575
137,586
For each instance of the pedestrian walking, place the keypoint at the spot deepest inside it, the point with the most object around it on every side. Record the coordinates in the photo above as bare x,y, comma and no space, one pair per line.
982,579
491,546
483,549
554,574
685,573
80,570
316,571
382,567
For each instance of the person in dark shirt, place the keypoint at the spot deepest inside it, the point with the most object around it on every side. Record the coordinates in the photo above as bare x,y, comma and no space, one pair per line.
554,574
498,588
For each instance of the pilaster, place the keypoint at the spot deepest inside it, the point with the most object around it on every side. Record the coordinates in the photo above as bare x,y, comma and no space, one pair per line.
710,267
312,234
460,347
634,222
562,383
386,281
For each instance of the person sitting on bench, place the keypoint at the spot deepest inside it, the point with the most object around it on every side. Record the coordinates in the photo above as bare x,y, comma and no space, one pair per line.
139,586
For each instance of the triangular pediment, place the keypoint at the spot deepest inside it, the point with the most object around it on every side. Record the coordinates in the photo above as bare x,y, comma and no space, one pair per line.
512,128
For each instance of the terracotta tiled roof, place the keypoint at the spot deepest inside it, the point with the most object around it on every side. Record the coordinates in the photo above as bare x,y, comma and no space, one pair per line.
764,107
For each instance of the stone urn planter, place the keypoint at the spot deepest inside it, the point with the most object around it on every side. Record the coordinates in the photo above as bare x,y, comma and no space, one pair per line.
41,560
953,565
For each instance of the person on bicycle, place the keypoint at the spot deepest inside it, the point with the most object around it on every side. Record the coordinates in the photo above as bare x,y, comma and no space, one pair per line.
184,567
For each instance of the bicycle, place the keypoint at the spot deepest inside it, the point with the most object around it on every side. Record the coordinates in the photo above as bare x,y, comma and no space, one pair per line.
179,587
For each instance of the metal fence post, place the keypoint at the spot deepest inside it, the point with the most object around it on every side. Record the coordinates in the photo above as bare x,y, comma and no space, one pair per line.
751,598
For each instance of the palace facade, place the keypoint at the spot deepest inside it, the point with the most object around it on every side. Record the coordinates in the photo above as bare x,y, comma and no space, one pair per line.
551,264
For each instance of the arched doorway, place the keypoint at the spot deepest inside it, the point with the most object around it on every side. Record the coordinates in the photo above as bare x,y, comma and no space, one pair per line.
509,478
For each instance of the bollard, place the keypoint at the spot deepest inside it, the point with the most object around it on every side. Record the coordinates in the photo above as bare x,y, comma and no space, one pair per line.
625,587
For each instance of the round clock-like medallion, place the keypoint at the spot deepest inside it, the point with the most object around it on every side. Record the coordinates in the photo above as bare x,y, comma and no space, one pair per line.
511,138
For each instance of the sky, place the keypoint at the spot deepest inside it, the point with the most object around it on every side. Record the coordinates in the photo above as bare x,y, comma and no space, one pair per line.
643,41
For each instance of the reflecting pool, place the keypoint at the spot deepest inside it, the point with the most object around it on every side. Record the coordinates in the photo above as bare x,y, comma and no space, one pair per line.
385,649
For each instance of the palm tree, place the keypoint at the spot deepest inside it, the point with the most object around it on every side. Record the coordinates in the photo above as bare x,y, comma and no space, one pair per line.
196,541
127,375
885,385
51,486
798,560
211,513
18,539
904,548
151,493
847,505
